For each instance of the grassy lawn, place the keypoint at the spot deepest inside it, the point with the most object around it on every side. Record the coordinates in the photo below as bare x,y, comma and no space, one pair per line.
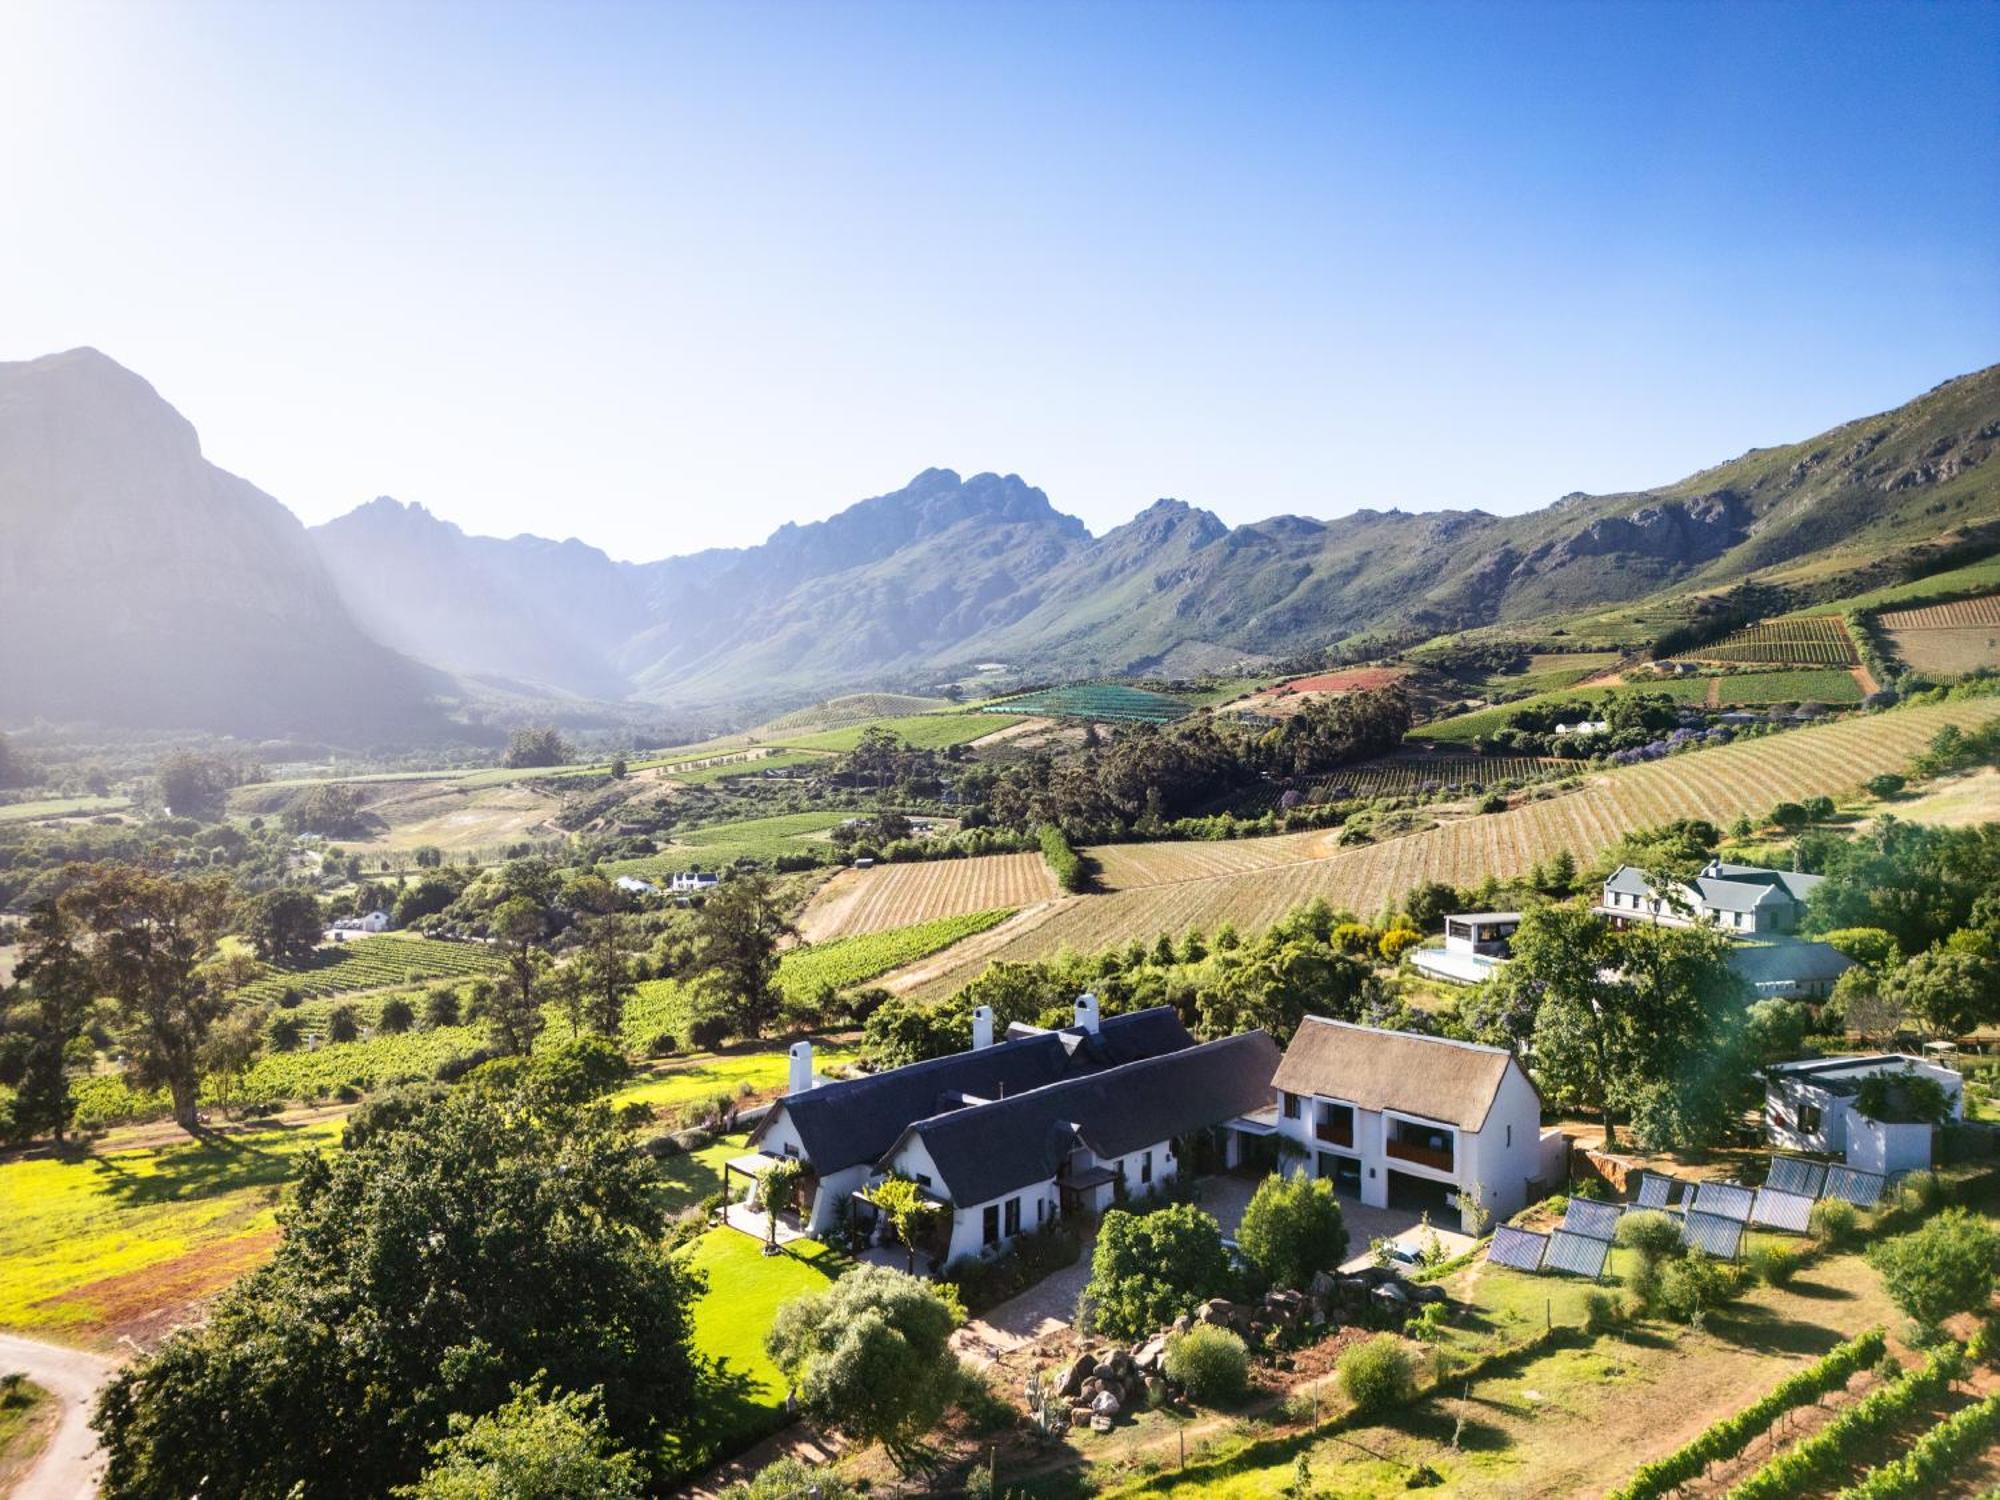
93,1246
745,1289
62,807
26,1417
723,1073
689,1179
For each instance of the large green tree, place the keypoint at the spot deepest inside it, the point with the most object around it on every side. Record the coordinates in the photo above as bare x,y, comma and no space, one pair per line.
736,949
1148,1269
56,986
515,1015
283,926
538,1446
457,1247
1293,1229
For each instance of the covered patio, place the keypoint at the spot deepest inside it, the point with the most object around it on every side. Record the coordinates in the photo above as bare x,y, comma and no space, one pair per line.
877,1243
743,1215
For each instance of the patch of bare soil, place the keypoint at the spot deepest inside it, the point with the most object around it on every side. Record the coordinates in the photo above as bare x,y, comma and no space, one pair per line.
143,1306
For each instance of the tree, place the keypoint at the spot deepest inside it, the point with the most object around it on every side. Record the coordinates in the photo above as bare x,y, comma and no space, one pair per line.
332,809
1789,816
441,1006
1886,785
343,1024
1865,945
604,974
284,926
397,1017
1148,1269
153,947
1946,1266
234,1044
536,745
193,786
871,1356
1293,1229
1562,872
1566,955
1429,903
909,1212
1950,992
13,770
503,1232
535,1447
515,1015
55,973
736,947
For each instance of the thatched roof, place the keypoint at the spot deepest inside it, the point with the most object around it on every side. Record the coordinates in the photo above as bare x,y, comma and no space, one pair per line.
1427,1076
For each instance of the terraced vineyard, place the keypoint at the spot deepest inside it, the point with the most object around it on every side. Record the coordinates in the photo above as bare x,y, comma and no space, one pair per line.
1829,685
842,713
1718,784
849,961
893,896
1107,701
1984,611
371,964
1408,778
921,731
1804,640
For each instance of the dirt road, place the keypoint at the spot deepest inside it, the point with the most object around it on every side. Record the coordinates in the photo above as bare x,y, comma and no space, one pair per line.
70,1465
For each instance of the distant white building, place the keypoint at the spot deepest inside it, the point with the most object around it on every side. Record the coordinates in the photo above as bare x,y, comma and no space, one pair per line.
1811,1106
634,885
685,882
366,923
1475,945
1584,726
1744,900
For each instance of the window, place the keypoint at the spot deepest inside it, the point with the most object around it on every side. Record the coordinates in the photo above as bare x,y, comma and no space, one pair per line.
1041,1212
1013,1216
1146,1167
1809,1119
1291,1105
791,1149
923,1179
990,1228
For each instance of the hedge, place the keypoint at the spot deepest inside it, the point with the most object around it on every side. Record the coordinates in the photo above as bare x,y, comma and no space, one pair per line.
1071,873
1730,1436
1932,1457
1817,1462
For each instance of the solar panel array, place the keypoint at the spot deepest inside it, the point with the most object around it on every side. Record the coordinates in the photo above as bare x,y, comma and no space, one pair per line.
1578,1254
1852,1185
1794,1174
1727,1200
1718,1236
1776,1210
1655,1191
1597,1221
1520,1248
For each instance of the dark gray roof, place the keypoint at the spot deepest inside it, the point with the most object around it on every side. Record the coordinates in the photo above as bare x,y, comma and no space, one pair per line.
1794,962
989,1150
1726,887
852,1121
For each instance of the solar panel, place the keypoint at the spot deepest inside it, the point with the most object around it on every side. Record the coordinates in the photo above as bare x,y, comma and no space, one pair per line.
1728,1200
1578,1254
1655,1191
1776,1210
1598,1221
1852,1185
1794,1174
1720,1237
1520,1248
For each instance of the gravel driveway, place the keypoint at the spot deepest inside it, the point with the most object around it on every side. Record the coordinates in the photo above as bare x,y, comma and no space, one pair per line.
71,1465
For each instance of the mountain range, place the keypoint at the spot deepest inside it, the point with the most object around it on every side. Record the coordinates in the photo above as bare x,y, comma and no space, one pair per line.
139,584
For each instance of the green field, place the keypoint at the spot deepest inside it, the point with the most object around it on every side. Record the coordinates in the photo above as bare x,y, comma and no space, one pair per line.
1827,685
745,1289
91,1245
719,845
373,963
1483,721
62,807
784,760
764,1073
1109,701
920,731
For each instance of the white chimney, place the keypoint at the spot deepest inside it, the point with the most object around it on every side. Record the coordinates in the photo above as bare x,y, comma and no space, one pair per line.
1086,1013
802,1068
982,1027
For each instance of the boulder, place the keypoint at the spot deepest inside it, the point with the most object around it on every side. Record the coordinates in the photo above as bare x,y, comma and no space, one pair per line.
1078,1415
1156,1390
1074,1377
1392,1292
1324,1285
1106,1403
1149,1354
1427,1291
1100,1423
1181,1324
1105,1370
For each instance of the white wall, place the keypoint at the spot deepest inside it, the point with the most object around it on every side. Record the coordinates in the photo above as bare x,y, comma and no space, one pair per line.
1875,1147
1506,1152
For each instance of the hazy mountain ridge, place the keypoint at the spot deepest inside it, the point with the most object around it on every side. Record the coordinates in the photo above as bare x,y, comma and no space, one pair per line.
144,585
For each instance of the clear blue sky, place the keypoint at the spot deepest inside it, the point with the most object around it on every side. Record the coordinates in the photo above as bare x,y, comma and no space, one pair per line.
664,276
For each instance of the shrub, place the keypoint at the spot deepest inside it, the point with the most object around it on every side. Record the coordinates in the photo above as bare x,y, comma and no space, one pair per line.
707,1033
871,1355
1211,1364
1602,1311
1653,1235
1773,1265
1643,1281
1071,873
398,1016
1379,1374
789,1479
1923,1191
343,1024
1292,1229
1833,1221
1694,1286
662,1044
1943,1267
441,1007
1148,1269
285,1034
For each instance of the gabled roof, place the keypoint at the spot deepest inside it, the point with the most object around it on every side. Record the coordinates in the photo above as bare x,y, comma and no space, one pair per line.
1725,887
989,1150
1794,962
1428,1076
852,1121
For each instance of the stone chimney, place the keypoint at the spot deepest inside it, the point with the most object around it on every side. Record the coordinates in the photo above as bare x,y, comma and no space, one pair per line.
982,1027
1086,1013
802,1068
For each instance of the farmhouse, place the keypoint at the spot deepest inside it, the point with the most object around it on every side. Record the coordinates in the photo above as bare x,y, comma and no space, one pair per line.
1741,899
685,882
1475,945
1003,1167
633,885
1414,1122
367,922
842,1129
1814,1106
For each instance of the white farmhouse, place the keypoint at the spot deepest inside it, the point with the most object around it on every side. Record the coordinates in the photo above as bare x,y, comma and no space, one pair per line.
686,882
842,1129
1004,1167
1811,1106
1743,900
1413,1122
632,885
